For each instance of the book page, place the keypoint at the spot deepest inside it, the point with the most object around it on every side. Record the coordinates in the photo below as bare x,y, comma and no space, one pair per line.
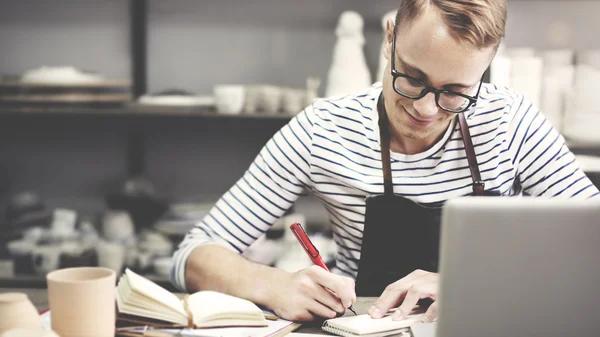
131,303
364,324
153,291
209,306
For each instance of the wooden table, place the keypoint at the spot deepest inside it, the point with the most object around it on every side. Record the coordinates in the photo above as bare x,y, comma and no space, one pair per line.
39,298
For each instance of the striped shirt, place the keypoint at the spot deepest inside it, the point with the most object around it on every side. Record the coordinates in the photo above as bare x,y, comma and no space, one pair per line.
332,150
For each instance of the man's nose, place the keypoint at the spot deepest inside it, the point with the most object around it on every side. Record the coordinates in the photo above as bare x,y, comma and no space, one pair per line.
426,105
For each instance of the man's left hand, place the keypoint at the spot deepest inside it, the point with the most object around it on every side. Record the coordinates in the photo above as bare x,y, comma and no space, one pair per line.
409,290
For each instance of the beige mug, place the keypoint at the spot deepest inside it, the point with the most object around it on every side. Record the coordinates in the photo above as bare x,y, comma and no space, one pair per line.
82,301
17,311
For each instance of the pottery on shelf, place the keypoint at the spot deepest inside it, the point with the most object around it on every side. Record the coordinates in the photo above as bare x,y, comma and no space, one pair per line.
348,71
229,99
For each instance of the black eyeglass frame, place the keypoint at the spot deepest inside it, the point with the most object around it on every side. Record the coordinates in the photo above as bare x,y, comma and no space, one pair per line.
427,88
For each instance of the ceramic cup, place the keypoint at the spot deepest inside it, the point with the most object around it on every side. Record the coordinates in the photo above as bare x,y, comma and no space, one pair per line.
111,255
82,301
7,268
17,311
251,98
229,98
157,244
293,100
590,57
45,258
270,98
117,225
63,223
162,266
557,57
21,252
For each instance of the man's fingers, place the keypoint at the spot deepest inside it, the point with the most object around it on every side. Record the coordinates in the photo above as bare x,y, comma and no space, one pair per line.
303,316
430,315
321,310
343,287
395,293
329,299
391,296
410,301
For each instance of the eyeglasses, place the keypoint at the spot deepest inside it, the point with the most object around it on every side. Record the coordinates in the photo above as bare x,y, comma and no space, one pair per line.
414,88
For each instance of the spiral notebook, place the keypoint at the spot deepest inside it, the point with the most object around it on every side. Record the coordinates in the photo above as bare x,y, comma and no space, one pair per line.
365,326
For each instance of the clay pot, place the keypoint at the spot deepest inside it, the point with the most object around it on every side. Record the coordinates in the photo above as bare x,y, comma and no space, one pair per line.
17,311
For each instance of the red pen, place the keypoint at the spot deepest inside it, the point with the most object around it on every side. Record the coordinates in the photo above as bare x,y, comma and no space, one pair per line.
310,249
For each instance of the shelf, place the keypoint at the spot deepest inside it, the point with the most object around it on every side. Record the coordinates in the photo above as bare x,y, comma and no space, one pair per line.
139,110
577,145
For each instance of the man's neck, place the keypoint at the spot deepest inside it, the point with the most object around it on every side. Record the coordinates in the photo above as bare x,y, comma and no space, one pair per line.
407,145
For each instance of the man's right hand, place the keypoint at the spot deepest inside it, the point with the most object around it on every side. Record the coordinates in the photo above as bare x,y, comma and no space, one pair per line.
311,292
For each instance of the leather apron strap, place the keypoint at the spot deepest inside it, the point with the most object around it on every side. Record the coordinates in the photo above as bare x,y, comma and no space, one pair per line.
478,184
384,135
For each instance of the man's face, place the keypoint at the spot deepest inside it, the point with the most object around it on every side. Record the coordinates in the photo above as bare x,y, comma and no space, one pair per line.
426,50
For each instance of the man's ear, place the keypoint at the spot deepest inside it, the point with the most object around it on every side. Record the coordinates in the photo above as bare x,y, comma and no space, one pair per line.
389,37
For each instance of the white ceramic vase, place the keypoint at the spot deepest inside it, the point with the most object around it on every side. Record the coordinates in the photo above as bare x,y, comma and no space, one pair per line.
348,72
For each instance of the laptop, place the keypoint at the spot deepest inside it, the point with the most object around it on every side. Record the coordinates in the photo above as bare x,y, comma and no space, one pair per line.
519,267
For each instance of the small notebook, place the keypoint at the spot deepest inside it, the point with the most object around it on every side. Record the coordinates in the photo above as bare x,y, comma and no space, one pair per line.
142,301
364,325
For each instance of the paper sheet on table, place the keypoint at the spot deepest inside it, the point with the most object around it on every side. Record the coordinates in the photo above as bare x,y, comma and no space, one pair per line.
46,320
273,329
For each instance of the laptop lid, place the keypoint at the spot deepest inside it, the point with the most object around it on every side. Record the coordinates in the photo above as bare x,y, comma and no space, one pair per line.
519,267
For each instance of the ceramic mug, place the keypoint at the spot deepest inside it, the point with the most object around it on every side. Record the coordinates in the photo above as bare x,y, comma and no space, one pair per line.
82,301
229,99
20,251
117,225
270,98
157,244
293,100
111,255
63,223
162,266
251,98
17,311
45,258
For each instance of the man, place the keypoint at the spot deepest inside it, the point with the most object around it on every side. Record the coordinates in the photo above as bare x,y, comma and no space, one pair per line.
383,162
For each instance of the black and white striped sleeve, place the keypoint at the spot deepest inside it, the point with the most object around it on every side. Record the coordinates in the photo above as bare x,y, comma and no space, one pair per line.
546,166
272,183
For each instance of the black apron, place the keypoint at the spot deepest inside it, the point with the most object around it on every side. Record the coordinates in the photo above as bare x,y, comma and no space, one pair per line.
401,236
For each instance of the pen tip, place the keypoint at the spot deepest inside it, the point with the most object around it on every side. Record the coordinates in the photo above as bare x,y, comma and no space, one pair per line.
354,312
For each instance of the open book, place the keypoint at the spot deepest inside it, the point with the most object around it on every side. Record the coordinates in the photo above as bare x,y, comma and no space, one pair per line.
142,301
364,325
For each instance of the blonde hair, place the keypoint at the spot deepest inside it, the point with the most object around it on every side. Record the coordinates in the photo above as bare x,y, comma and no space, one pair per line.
480,23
